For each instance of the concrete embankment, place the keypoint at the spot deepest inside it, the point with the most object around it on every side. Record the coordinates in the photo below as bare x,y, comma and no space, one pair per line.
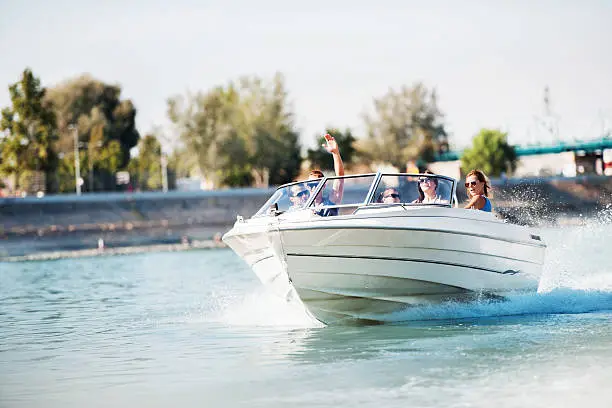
75,223
70,223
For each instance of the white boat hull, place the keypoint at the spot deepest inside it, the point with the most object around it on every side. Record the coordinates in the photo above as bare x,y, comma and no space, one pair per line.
366,265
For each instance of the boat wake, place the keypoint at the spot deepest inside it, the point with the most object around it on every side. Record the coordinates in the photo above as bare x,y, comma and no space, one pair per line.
592,294
558,301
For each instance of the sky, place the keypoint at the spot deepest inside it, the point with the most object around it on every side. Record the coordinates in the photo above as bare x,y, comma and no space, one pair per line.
489,62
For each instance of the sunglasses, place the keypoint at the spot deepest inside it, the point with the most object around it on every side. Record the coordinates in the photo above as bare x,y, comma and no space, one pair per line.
472,183
391,195
301,193
425,180
312,185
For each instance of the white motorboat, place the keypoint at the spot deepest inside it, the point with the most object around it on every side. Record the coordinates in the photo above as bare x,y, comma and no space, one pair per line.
349,253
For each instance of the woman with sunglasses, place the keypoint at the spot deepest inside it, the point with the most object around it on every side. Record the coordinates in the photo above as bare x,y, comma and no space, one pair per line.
428,194
478,188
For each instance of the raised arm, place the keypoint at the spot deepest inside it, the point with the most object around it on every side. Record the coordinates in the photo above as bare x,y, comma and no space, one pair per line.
332,147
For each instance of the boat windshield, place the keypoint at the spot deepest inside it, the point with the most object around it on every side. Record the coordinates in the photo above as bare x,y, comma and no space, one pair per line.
417,189
342,195
289,197
347,191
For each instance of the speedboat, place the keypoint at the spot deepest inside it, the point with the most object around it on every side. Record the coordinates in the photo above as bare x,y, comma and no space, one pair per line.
363,247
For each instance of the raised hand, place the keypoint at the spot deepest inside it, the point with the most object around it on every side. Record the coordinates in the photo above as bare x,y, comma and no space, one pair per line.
330,144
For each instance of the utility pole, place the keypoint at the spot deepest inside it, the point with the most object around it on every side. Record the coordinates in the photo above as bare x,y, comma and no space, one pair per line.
77,166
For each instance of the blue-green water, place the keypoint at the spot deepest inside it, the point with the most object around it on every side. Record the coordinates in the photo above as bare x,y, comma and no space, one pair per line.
196,329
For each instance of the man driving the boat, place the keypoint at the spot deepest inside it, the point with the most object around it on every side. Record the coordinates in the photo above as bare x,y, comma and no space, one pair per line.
299,195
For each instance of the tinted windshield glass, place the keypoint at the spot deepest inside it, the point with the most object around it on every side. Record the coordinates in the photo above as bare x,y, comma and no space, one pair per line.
344,190
413,190
290,197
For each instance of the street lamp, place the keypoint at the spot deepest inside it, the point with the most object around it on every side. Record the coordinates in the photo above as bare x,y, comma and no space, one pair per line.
77,166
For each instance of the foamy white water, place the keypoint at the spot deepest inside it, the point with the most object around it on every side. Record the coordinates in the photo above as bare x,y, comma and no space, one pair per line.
197,329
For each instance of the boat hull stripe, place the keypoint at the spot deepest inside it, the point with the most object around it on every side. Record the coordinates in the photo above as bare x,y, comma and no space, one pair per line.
390,228
385,258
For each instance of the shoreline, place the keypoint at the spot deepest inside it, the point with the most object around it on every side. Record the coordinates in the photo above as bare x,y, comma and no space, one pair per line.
114,251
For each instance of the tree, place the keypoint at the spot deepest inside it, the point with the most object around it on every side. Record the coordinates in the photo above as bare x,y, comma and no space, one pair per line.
267,127
406,125
29,132
146,167
101,117
491,153
201,121
239,133
320,158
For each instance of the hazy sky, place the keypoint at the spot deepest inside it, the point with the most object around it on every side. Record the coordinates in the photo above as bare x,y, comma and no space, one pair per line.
488,60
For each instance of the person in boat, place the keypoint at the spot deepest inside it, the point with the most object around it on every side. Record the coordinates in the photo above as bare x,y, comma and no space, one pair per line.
428,190
478,187
298,195
389,196
335,197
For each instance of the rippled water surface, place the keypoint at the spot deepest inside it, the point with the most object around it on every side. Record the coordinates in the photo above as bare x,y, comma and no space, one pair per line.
196,329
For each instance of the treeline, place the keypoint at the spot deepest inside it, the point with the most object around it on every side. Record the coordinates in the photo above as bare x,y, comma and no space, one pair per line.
241,133
43,129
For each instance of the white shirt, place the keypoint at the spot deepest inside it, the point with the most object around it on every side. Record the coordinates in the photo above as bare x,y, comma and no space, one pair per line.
435,200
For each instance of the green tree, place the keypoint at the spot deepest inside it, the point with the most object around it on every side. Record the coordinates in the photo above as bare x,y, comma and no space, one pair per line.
320,157
101,117
146,167
239,133
491,153
66,173
201,121
182,162
95,148
406,125
266,125
28,133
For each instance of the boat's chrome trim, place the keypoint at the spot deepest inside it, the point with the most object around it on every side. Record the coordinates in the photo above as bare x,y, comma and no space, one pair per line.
373,188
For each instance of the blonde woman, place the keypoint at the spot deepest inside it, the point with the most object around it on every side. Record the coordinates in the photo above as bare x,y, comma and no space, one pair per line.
478,188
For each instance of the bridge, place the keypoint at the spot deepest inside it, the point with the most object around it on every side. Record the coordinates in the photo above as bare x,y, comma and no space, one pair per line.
582,147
